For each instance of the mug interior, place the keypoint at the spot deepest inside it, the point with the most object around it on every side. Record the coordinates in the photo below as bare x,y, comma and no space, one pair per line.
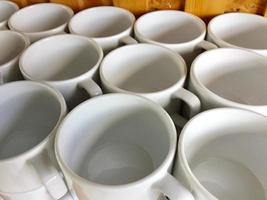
12,44
140,68
60,58
6,10
121,149
170,27
228,157
40,17
28,112
240,29
101,22
233,74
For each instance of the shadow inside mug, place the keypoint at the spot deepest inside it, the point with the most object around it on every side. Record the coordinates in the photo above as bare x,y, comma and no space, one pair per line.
29,122
181,32
119,151
103,29
11,46
221,172
148,77
251,37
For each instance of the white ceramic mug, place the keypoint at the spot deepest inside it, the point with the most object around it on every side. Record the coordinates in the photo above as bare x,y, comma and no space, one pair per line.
12,44
239,30
177,30
41,20
68,63
222,155
30,114
7,8
149,70
114,154
230,78
108,25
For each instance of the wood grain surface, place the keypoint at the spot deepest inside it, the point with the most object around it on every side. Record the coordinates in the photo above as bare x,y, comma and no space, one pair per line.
205,9
209,8
142,6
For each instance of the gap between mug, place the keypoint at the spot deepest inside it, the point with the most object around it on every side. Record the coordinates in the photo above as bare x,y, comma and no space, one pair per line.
191,100
128,40
206,45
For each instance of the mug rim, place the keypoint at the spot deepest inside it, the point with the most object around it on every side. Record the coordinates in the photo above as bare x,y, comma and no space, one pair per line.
167,160
26,41
15,6
63,111
224,43
186,169
180,64
201,88
77,15
66,8
148,40
44,40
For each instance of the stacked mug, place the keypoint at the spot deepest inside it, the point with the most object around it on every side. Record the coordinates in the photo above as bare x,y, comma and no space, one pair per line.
99,114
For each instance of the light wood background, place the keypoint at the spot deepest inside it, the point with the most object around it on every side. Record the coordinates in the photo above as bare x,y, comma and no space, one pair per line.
205,9
210,8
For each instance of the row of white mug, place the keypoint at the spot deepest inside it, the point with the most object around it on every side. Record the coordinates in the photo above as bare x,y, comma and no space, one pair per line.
111,26
120,139
179,31
72,64
123,146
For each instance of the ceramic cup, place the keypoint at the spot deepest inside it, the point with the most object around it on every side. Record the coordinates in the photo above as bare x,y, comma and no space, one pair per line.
41,20
222,155
118,157
30,113
177,30
149,70
108,25
230,78
12,44
239,30
68,63
7,8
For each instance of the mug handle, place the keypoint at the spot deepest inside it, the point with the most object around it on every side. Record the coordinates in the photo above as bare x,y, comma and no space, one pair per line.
51,178
1,81
206,45
91,87
173,189
191,100
67,197
128,40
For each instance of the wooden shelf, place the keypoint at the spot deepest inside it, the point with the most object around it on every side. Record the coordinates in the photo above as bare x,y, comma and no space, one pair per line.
205,9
